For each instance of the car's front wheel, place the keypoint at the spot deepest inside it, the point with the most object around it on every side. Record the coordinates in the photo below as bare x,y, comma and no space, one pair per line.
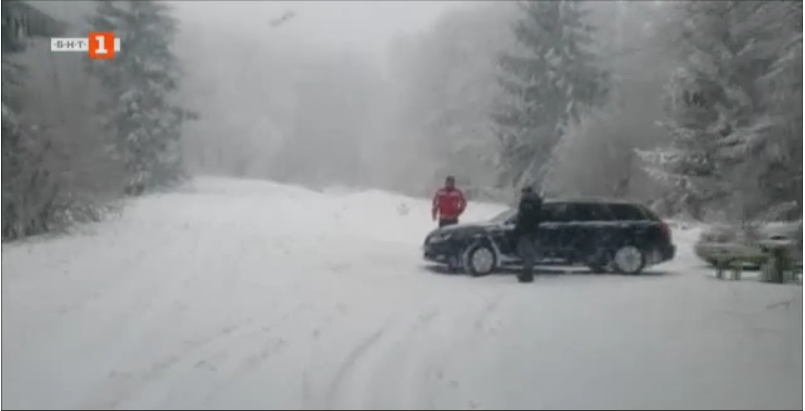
628,259
480,260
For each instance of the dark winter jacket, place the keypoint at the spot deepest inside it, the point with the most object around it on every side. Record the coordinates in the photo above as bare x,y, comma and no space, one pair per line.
529,214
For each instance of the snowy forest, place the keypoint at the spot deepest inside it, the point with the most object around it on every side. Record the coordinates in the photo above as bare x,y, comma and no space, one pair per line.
694,108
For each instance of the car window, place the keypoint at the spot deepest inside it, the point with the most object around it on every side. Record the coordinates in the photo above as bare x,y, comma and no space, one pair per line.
589,212
556,213
627,212
649,213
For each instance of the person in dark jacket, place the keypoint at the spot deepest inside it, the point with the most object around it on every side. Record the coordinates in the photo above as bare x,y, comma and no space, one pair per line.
525,231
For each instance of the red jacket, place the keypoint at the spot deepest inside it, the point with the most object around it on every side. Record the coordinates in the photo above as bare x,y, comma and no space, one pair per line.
448,203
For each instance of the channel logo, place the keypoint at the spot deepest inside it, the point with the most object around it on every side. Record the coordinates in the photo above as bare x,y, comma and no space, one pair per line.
97,45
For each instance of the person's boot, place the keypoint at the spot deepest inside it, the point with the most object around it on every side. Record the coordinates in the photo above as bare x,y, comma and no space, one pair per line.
525,277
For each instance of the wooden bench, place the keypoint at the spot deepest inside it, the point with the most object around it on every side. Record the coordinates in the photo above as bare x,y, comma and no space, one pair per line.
734,261
780,264
728,264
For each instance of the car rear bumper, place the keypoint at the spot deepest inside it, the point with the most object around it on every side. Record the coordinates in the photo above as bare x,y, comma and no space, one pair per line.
661,254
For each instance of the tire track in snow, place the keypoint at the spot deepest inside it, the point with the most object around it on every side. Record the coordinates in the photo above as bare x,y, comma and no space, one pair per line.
199,353
123,310
254,358
404,368
111,275
204,353
342,377
215,355
357,374
291,347
122,385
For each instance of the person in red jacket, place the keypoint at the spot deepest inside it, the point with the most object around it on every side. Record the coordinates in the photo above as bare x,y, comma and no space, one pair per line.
448,203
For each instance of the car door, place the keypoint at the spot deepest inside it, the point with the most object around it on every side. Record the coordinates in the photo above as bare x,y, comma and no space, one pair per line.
553,233
590,223
502,238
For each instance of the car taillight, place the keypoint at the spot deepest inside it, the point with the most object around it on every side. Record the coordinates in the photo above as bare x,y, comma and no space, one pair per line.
666,231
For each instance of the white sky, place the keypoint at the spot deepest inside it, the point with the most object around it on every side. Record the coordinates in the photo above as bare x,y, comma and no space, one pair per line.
366,25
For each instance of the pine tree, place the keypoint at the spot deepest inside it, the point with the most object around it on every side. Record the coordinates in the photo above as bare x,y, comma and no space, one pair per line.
21,22
25,179
552,83
143,122
774,139
718,117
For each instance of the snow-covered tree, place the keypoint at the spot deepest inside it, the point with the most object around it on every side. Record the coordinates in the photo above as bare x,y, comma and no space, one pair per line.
20,24
550,83
693,167
596,155
139,113
31,193
717,115
774,137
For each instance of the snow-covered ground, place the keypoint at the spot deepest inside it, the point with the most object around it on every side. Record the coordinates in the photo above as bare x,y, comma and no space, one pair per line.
244,294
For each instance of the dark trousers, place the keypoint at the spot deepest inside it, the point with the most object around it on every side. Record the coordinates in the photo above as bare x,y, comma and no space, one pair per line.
443,222
527,250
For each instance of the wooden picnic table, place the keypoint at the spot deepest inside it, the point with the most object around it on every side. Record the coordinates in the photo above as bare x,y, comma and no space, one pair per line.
781,264
780,261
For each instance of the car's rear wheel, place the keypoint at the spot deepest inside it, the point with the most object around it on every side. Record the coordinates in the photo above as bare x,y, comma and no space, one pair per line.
628,259
480,260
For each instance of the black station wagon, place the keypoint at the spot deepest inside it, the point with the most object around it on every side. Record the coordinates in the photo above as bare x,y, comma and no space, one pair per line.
604,235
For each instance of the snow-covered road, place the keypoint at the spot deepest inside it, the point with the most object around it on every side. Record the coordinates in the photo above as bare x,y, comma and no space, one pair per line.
243,294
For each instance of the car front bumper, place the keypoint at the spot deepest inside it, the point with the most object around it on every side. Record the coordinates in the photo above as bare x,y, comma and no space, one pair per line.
440,252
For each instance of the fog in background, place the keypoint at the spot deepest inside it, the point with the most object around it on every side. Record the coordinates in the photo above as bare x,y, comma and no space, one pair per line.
386,94
691,107
308,100
361,25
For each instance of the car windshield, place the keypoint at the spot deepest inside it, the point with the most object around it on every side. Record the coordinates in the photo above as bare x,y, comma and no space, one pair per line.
504,216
